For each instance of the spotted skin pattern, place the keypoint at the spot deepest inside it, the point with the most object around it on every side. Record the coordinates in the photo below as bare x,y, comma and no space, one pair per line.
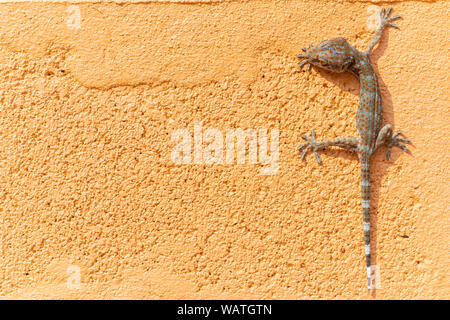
337,55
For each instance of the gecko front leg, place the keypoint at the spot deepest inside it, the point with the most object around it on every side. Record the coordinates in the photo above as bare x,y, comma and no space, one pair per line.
350,144
385,21
390,138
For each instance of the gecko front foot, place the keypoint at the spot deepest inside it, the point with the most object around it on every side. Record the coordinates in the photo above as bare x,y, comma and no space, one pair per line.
306,61
311,144
385,20
303,63
395,140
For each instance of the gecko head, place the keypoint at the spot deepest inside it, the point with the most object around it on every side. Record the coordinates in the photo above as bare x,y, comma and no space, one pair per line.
333,55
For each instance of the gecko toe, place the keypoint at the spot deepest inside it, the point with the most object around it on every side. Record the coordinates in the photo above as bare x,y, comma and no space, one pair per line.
305,152
301,147
318,159
396,137
404,140
302,64
397,134
393,25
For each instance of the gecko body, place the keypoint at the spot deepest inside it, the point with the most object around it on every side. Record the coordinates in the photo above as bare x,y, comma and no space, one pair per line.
337,55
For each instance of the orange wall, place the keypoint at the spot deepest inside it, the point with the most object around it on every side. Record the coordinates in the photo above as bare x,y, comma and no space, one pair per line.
89,188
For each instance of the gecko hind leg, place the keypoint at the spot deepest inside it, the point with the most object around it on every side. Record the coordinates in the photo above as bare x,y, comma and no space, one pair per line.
350,144
390,138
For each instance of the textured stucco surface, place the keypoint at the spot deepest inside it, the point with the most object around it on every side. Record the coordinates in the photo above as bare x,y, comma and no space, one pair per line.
87,178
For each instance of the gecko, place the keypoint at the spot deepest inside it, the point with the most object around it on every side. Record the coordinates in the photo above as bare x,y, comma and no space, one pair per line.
337,55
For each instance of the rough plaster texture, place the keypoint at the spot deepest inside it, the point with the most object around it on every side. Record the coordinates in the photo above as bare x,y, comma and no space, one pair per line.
85,142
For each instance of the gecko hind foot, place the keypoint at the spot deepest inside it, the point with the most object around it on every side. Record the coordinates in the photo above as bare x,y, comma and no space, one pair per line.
396,141
386,20
310,145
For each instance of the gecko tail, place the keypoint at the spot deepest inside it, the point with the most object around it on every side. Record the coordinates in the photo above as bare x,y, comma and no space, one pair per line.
365,196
